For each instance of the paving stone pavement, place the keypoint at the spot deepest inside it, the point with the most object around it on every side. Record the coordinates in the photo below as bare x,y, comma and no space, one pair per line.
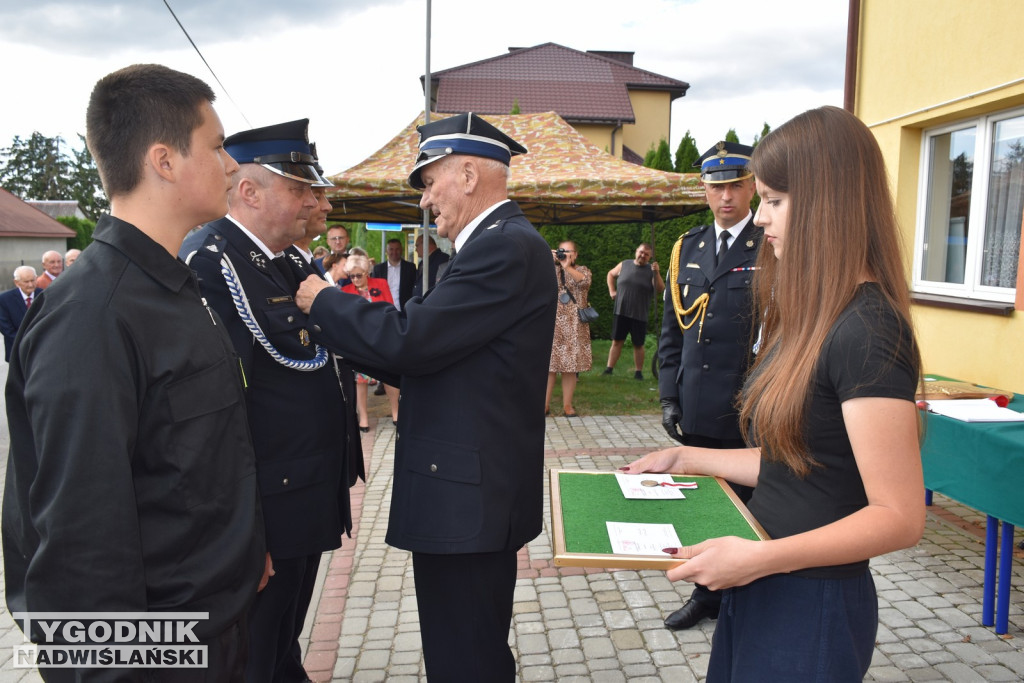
573,625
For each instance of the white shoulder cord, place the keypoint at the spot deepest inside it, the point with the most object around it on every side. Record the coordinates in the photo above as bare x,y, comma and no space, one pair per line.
245,313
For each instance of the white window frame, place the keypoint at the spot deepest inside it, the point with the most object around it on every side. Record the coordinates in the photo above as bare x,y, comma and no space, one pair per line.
971,288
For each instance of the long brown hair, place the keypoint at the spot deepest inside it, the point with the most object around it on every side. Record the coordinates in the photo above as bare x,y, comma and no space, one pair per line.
841,229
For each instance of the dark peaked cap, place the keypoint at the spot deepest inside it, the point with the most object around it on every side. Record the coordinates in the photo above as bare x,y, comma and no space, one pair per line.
726,162
282,148
461,134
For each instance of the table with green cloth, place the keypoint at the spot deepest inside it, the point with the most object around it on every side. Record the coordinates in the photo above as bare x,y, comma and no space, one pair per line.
981,464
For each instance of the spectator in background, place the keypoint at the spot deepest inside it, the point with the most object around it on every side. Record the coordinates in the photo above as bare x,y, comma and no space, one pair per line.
13,304
400,274
372,289
632,285
436,259
334,264
53,265
570,350
337,242
71,256
319,253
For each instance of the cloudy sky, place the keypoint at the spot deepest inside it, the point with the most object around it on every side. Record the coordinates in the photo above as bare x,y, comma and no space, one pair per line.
353,66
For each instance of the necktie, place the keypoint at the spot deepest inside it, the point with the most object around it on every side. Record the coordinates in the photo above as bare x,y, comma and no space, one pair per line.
28,301
282,265
722,247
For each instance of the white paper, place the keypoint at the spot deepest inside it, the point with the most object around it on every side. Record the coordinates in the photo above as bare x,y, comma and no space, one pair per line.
974,410
633,486
629,538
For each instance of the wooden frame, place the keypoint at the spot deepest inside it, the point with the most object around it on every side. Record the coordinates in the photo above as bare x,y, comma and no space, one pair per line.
563,558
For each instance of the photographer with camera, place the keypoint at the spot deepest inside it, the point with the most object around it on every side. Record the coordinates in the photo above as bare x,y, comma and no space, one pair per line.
570,349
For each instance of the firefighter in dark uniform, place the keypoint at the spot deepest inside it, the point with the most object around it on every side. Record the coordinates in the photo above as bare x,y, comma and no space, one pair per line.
705,345
296,403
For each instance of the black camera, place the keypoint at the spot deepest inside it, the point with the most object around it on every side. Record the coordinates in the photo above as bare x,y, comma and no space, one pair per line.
560,254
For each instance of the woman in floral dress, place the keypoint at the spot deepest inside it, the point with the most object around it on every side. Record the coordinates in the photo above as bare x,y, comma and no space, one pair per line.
570,350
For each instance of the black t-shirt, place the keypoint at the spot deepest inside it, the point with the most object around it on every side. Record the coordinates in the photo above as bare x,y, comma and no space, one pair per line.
868,352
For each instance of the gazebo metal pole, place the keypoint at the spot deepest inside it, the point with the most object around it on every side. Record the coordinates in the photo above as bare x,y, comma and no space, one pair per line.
425,233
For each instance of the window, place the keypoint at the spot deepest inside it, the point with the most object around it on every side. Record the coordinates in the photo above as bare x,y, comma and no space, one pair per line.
971,205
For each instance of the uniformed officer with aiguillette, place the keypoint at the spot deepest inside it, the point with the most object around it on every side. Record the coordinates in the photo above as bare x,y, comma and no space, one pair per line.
296,405
705,345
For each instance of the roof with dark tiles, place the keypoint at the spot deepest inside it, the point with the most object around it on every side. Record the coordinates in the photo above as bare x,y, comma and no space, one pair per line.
18,219
580,86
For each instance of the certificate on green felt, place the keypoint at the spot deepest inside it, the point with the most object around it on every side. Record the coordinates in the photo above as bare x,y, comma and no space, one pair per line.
583,502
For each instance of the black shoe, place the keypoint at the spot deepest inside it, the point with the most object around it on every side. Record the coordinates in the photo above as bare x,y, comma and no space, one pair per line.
379,391
638,375
689,615
607,371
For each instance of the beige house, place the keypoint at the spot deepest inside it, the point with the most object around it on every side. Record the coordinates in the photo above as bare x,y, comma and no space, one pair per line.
618,107
941,85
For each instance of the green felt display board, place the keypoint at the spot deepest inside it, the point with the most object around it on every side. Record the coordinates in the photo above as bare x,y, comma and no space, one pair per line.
586,500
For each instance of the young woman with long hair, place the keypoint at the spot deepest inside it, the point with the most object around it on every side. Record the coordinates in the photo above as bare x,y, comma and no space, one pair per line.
828,410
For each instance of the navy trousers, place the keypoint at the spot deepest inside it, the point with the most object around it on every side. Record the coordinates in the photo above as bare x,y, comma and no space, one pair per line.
791,629
465,608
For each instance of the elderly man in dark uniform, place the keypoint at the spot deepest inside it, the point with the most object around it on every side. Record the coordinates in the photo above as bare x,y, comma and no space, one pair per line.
473,354
705,345
296,405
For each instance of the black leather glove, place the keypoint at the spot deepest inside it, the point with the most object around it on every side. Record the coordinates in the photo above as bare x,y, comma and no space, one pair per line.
671,416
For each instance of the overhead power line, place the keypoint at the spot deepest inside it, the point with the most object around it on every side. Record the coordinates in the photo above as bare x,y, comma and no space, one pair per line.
212,73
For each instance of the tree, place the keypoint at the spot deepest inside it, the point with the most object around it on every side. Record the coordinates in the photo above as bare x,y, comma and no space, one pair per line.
764,131
35,168
661,159
686,154
515,107
649,157
731,136
38,168
85,183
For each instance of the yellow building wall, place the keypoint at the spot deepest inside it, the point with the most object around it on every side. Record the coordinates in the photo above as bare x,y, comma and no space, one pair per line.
924,63
601,137
653,113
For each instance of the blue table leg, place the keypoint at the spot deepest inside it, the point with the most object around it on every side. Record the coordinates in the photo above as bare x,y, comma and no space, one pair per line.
928,497
1005,566
988,590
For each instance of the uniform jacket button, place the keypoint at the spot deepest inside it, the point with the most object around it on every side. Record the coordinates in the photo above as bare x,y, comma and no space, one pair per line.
710,314
433,468
284,482
291,318
706,367
316,328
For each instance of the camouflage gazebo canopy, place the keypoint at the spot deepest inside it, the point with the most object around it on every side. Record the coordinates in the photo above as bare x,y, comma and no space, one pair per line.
563,179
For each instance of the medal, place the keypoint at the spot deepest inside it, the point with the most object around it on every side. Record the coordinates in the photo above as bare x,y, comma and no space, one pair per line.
304,336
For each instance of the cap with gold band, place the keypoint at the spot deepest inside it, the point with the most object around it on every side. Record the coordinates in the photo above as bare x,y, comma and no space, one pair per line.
282,148
461,134
726,162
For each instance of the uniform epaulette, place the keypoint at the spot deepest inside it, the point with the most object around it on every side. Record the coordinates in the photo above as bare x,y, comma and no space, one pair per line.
697,230
211,247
